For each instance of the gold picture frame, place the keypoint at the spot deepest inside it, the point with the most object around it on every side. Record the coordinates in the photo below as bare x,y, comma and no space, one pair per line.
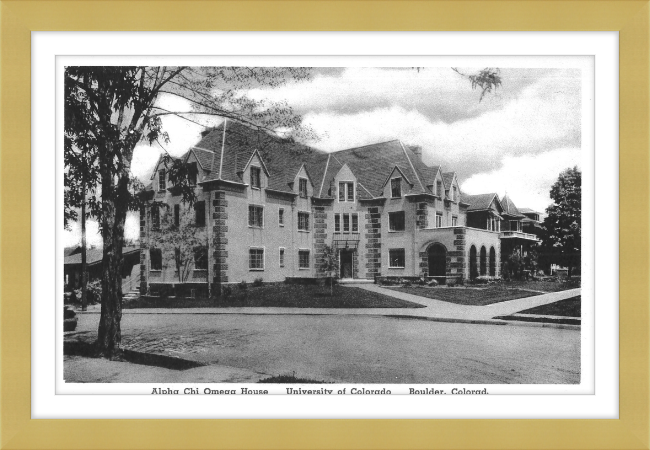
18,18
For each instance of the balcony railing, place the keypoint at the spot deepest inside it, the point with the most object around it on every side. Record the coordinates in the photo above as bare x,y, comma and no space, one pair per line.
345,240
518,235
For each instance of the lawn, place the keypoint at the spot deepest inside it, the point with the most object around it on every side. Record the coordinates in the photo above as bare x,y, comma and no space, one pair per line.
282,295
470,296
569,307
544,286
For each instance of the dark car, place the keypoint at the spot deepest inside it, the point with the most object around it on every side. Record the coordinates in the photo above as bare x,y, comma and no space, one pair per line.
69,319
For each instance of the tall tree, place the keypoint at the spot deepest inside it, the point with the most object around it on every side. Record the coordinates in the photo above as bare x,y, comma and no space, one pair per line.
110,109
561,239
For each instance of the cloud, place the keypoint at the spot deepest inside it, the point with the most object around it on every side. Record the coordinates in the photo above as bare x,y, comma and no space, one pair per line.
527,179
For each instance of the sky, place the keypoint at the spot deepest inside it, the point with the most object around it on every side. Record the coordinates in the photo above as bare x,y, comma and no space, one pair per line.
516,140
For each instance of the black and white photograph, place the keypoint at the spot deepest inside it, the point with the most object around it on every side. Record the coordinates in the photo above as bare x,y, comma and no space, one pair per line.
287,229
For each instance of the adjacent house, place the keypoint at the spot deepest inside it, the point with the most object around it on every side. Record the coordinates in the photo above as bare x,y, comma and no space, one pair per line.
267,207
72,266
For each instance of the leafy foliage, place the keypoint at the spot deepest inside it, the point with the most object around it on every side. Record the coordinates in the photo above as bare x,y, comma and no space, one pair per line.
561,239
330,264
487,80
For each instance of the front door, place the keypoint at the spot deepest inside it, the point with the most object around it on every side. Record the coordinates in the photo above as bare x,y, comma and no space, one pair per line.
346,263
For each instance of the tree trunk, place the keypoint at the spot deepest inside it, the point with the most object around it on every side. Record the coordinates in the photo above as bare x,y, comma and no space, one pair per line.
84,267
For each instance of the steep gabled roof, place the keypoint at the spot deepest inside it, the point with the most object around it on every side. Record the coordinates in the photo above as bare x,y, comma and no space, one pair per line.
480,202
509,207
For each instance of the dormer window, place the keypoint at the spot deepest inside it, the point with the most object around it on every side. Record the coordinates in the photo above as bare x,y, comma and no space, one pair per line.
192,173
256,181
302,187
396,187
454,194
346,191
439,188
162,183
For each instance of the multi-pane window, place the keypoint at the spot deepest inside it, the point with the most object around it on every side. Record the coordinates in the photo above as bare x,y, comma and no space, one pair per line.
350,223
439,188
337,223
303,259
396,221
303,221
155,254
281,257
454,221
192,173
256,259
438,220
396,187
177,215
201,257
281,217
199,214
346,223
256,177
302,187
355,223
346,191
255,216
162,182
396,258
155,217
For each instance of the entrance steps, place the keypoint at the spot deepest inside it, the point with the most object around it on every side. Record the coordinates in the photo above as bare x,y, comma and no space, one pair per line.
134,294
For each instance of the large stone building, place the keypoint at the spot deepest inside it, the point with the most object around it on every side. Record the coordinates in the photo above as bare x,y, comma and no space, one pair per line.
267,208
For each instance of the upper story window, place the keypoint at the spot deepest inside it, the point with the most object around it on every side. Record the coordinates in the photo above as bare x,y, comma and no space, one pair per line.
439,188
256,177
255,216
346,191
302,187
454,194
155,255
438,220
201,257
281,256
396,187
303,221
350,223
396,221
256,259
199,214
177,215
281,217
454,221
192,173
337,223
303,259
355,223
162,182
155,217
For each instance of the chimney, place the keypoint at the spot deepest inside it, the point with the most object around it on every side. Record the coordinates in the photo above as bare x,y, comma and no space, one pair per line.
417,149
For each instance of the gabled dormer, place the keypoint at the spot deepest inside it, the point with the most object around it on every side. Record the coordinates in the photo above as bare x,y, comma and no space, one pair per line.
397,184
302,184
254,173
345,185
452,190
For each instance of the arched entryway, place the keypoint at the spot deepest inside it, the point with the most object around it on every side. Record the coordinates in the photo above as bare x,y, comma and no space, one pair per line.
493,262
437,254
473,268
483,261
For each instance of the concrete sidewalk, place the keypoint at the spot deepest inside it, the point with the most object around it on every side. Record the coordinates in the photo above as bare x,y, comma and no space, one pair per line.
434,309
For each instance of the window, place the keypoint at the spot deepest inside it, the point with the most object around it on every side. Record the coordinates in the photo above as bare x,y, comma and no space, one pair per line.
346,191
355,223
192,173
346,223
455,194
438,220
454,221
514,225
303,221
302,187
162,182
337,223
255,177
281,217
255,216
199,214
281,257
439,188
177,215
201,258
396,187
396,221
155,254
155,217
303,259
396,258
256,259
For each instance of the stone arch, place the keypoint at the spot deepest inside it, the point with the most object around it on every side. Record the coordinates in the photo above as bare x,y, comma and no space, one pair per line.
483,261
493,262
473,267
437,260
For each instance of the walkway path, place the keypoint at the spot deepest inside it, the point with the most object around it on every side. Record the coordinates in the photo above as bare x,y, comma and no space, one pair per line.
435,309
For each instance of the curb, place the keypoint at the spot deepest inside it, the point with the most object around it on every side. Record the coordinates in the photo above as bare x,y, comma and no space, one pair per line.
488,322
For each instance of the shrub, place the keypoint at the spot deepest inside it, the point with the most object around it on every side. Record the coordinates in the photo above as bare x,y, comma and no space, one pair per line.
433,283
93,293
226,291
258,282
242,286
407,283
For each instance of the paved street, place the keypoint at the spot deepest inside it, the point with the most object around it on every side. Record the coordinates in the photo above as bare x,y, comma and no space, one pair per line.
355,349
